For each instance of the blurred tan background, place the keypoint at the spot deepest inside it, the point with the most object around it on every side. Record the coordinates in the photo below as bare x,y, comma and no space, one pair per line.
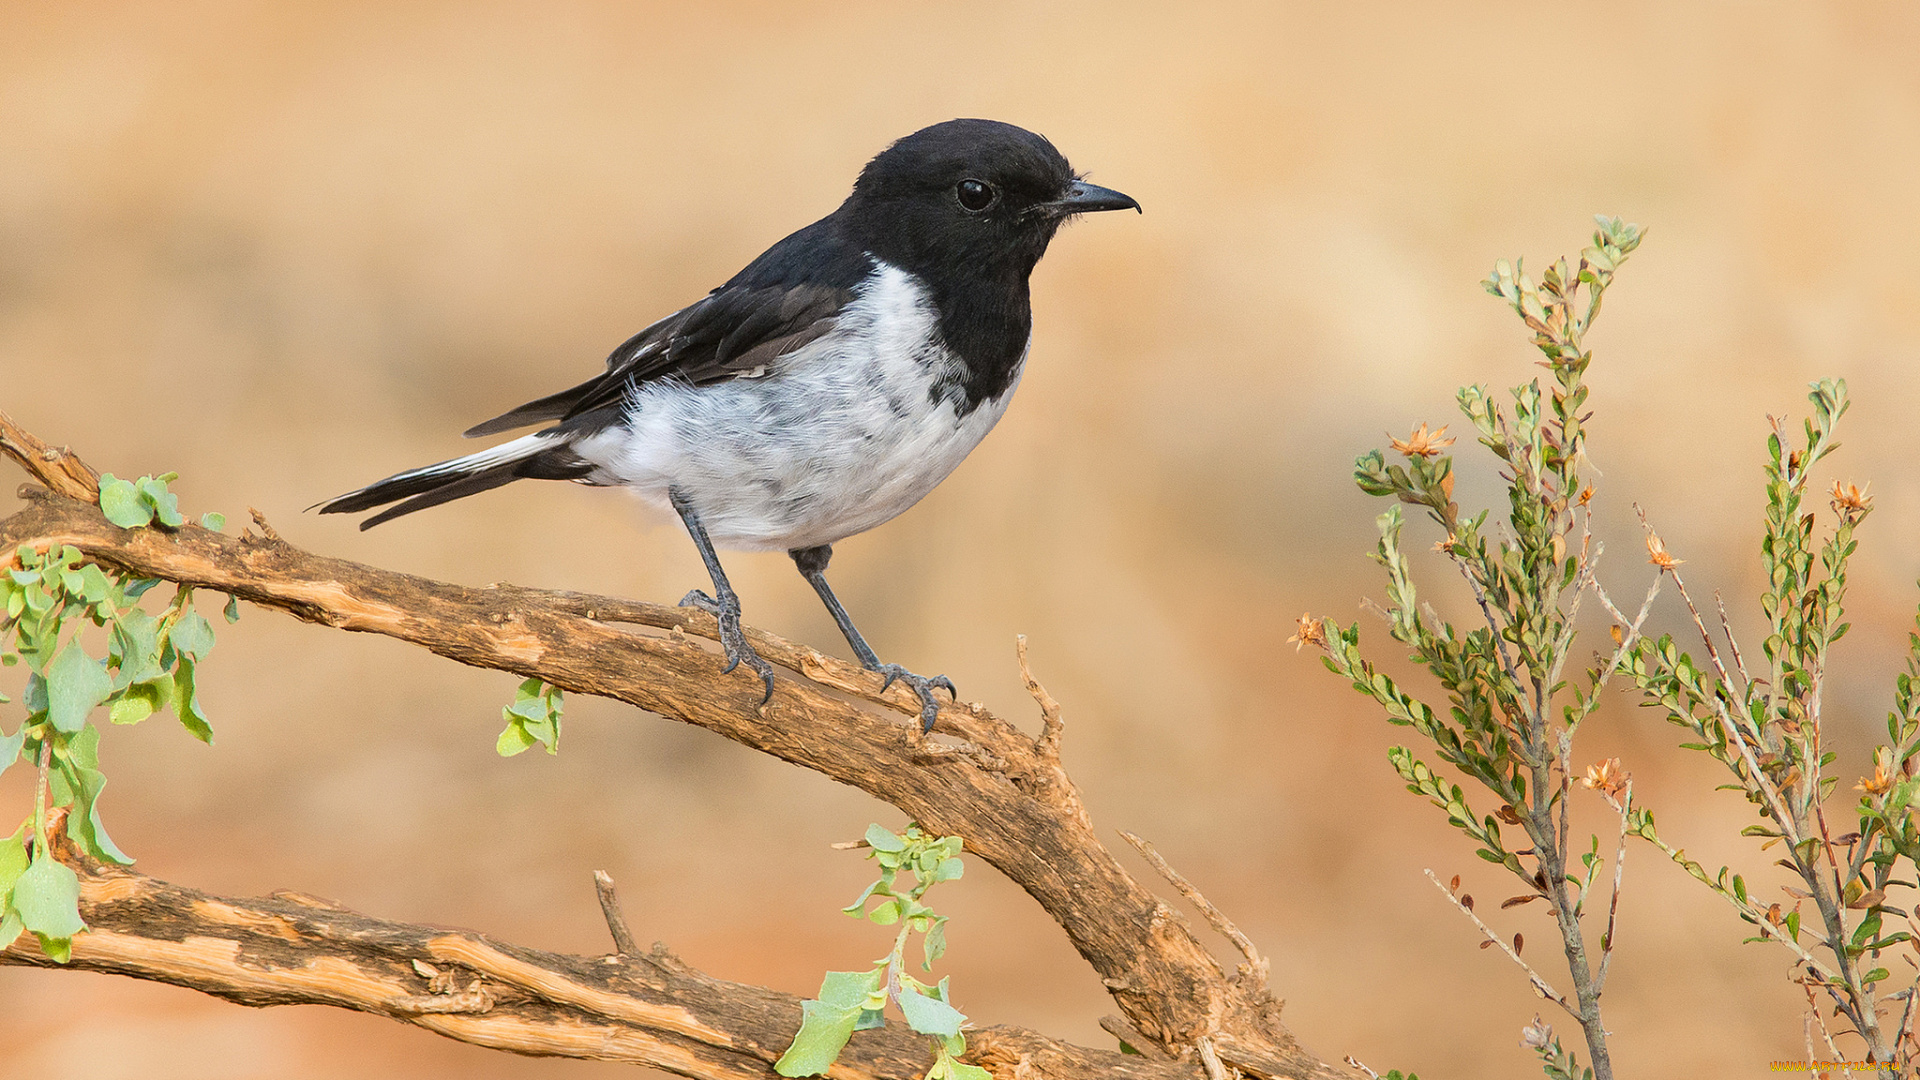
288,248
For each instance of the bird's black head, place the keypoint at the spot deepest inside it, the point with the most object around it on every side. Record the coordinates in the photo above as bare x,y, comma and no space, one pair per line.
974,197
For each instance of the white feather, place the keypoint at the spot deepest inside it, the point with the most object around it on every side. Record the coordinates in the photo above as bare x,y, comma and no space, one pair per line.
839,436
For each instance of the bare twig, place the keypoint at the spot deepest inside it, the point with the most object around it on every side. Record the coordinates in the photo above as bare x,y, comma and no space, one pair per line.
1625,809
54,466
266,530
1806,1026
1734,732
1051,728
1210,1058
1814,1017
1733,643
1214,916
1904,1032
1119,1028
1540,985
623,942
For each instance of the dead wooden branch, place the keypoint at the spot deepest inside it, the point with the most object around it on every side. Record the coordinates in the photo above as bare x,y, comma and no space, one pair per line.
644,1008
1002,791
623,942
1256,966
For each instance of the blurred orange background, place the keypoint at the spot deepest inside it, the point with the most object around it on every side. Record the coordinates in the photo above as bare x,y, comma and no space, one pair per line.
288,248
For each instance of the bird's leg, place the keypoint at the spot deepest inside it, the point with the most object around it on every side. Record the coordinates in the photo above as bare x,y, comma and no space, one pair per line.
723,605
813,566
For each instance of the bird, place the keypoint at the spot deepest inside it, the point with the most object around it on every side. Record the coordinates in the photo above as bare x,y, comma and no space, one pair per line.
823,389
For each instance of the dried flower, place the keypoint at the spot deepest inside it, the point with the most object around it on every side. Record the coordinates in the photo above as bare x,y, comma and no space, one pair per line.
1606,778
1537,1035
1882,779
1851,503
1445,547
1657,553
1422,443
1311,631
1586,495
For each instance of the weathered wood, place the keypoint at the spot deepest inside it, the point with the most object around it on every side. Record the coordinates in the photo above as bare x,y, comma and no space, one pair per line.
643,1008
1004,792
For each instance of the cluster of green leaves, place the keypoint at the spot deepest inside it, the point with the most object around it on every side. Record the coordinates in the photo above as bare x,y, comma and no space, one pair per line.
532,719
132,504
853,1001
48,600
1510,717
1765,729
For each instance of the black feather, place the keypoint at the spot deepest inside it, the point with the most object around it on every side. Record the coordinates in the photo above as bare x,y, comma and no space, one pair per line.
786,298
438,484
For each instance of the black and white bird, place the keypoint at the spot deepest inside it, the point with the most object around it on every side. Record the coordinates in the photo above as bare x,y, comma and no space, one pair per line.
822,390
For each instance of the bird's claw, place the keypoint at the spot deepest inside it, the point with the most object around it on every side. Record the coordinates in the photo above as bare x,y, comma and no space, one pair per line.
923,687
732,638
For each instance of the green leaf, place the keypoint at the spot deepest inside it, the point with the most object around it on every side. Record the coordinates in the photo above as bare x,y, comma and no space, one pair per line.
130,709
851,988
186,702
928,1016
960,1070
75,684
10,929
142,700
192,634
58,950
10,749
232,609
47,896
949,870
827,1023
166,505
530,709
94,587
134,646
934,945
879,839
82,773
121,503
213,519
533,717
13,861
857,908
514,739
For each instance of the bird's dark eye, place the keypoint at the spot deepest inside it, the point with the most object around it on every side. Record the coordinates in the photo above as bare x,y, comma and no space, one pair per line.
975,195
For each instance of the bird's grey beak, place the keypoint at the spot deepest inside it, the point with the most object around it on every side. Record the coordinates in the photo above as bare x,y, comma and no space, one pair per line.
1085,198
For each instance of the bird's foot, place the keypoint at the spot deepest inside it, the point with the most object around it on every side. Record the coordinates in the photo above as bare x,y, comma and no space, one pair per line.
922,686
732,637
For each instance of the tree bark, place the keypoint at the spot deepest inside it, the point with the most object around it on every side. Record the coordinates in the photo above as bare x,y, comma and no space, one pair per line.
1003,792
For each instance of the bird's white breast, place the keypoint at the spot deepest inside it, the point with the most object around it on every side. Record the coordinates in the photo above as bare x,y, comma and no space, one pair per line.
833,439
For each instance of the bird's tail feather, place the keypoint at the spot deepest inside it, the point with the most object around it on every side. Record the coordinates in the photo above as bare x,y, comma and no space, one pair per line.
542,456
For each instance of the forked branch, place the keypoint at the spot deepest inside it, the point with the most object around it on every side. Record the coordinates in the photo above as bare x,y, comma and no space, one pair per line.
1001,790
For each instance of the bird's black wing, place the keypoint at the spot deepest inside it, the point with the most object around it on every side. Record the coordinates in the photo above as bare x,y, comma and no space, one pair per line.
789,296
